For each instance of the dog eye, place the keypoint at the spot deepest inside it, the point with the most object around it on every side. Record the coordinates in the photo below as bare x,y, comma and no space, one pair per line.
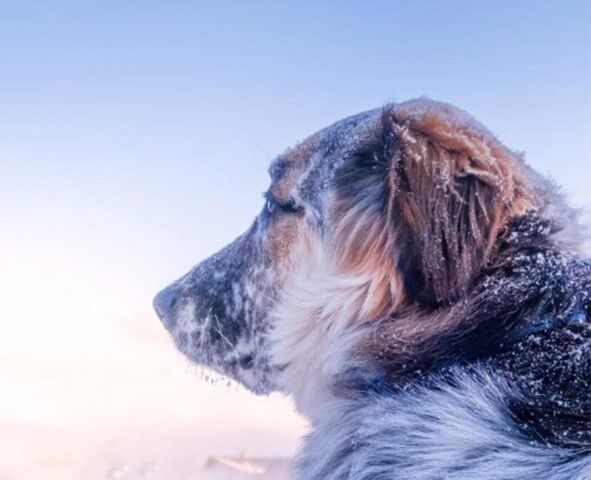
291,207
272,205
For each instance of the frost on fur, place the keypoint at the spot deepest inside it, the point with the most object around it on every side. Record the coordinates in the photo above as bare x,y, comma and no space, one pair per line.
399,251
457,427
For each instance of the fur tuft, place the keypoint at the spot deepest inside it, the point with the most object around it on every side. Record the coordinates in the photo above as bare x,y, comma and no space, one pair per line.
457,427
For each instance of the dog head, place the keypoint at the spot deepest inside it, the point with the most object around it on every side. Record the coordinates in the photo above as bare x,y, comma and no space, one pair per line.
393,207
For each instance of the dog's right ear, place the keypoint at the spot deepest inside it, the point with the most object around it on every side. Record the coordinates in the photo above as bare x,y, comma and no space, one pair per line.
453,188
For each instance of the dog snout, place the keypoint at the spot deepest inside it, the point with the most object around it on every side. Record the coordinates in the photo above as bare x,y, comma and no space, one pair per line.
164,301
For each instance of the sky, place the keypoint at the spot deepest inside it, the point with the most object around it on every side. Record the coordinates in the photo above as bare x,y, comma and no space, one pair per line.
134,141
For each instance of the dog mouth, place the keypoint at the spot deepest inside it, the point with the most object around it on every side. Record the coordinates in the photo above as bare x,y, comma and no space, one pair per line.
217,326
258,380
252,370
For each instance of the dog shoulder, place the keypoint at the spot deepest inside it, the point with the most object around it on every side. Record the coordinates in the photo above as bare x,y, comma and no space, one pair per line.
458,425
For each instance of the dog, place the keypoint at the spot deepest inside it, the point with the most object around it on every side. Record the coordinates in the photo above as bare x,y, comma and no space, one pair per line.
421,293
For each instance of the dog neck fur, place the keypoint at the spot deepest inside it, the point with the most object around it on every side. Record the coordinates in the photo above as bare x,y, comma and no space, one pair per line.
315,322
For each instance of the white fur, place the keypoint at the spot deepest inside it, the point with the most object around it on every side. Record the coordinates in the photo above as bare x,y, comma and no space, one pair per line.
315,325
442,430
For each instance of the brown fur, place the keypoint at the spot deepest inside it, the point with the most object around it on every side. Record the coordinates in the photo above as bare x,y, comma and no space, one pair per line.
364,244
453,191
454,188
282,236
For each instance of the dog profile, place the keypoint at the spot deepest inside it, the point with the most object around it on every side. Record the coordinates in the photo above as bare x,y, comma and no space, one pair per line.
418,289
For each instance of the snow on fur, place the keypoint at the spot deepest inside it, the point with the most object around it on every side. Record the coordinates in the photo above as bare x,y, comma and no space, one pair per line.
449,428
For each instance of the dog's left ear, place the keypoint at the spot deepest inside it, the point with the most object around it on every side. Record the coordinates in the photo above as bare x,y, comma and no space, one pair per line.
454,186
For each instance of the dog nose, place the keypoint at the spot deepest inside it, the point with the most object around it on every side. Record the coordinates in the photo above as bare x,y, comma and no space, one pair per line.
164,301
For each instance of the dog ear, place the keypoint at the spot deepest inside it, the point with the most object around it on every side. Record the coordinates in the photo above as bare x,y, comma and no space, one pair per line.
453,188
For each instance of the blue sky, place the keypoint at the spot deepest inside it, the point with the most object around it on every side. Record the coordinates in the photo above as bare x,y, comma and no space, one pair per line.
144,128
134,136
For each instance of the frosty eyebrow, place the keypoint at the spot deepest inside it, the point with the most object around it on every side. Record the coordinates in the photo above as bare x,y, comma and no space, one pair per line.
277,169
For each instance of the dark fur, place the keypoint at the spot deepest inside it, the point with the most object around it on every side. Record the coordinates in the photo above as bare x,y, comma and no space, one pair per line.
497,296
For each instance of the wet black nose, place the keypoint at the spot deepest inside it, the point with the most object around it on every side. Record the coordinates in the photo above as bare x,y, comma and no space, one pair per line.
164,301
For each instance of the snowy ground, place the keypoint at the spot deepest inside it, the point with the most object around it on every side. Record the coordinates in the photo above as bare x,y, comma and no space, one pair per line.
44,453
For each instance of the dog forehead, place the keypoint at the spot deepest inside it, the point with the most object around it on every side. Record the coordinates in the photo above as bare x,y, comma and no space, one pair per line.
311,165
